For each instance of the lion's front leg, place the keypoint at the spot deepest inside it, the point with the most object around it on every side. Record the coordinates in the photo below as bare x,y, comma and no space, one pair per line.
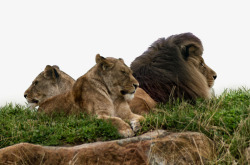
123,111
123,128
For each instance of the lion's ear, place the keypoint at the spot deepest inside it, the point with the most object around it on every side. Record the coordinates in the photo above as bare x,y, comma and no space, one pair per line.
121,60
50,72
103,62
98,58
55,66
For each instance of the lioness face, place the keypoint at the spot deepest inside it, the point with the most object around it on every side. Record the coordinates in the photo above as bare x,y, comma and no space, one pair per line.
119,77
43,87
209,74
128,83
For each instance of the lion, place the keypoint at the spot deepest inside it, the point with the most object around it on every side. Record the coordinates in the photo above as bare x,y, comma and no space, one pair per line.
142,103
103,91
173,68
50,82
53,81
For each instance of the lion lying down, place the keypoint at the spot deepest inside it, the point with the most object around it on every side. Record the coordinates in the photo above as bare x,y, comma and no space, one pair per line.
103,91
173,68
53,81
50,82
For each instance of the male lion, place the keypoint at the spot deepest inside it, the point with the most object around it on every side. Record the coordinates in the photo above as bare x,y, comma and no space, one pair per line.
52,81
174,68
103,91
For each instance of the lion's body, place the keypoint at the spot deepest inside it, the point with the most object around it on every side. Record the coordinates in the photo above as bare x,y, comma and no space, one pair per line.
52,81
102,91
45,85
142,103
174,68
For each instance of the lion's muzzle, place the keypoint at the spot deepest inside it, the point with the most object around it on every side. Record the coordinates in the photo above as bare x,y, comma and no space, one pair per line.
129,94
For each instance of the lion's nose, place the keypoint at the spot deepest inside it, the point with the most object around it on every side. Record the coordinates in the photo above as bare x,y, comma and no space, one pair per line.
25,95
215,76
135,85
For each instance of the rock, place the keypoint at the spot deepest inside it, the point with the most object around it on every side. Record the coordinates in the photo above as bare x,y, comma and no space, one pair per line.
158,147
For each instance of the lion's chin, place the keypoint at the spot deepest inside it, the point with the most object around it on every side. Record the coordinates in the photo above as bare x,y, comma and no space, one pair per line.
210,84
129,97
32,105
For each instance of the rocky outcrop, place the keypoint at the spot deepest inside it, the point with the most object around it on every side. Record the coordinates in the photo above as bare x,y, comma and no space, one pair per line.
158,147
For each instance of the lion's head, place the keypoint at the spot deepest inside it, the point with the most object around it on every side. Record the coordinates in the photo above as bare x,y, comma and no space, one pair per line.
117,76
174,68
50,82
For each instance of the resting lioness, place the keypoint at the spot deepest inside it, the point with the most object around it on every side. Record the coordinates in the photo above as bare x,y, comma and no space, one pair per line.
103,91
53,81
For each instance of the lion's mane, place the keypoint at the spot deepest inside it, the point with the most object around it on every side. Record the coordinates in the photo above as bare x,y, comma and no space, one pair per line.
165,72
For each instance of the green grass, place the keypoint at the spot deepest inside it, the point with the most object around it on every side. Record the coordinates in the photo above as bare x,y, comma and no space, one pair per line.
19,124
224,119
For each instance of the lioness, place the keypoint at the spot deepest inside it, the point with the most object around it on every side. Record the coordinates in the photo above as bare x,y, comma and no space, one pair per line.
53,81
103,91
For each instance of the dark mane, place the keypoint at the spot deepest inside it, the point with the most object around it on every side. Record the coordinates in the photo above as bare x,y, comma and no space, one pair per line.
163,71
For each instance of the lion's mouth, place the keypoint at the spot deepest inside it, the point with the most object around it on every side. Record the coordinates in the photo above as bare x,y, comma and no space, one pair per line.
128,96
125,92
33,101
210,84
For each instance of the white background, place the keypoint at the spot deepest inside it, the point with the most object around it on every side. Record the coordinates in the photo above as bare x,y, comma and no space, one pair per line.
69,34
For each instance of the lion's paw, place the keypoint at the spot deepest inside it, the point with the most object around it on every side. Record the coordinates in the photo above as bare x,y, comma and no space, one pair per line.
135,125
127,133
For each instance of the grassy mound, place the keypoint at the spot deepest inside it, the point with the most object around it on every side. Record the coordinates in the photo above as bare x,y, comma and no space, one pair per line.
225,120
20,124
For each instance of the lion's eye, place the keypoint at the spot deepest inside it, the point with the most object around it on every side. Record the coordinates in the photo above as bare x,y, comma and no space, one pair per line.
202,64
123,72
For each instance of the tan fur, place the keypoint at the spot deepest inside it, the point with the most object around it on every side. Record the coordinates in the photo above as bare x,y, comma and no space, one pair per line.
45,86
52,81
142,103
173,68
102,92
